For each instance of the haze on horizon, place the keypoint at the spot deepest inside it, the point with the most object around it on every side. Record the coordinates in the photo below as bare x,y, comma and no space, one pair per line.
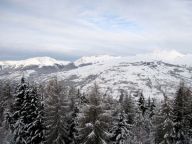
69,29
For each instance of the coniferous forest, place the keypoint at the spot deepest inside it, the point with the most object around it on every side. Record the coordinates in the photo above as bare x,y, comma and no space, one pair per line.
56,113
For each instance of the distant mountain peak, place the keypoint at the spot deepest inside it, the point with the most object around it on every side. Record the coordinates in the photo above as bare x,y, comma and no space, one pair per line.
39,61
167,55
94,59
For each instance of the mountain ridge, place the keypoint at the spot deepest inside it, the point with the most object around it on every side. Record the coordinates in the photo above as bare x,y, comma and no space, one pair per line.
112,74
41,61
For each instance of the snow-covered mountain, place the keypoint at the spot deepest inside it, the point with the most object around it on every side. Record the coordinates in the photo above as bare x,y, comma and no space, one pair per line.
152,76
37,61
93,60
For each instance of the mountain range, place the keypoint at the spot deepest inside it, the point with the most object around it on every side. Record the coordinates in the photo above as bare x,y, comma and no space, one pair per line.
150,75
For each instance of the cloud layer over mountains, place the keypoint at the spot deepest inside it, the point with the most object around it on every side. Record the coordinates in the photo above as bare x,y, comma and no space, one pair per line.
72,28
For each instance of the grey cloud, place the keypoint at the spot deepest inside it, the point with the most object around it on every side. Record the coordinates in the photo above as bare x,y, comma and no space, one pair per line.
64,27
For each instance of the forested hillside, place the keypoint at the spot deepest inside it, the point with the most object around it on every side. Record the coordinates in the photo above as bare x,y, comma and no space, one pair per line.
56,113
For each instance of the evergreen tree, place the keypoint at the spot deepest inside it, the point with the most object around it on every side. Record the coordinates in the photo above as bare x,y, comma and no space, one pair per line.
94,120
150,107
17,116
188,113
141,127
25,120
74,97
165,123
122,130
121,97
57,113
2,113
142,104
123,120
129,108
180,109
150,119
33,121
83,98
6,101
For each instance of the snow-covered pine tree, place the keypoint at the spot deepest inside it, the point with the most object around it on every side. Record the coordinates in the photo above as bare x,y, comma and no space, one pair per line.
74,97
164,123
83,98
142,104
112,106
123,120
141,127
25,121
152,108
93,120
57,113
150,119
128,105
178,131
6,101
3,130
17,116
122,130
121,97
33,119
188,113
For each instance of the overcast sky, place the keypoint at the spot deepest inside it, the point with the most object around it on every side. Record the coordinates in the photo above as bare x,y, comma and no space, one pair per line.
68,29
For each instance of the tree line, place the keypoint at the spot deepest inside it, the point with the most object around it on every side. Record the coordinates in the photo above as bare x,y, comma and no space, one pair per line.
54,113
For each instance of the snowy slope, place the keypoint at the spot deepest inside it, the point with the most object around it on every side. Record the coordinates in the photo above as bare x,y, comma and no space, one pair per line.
151,77
145,72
